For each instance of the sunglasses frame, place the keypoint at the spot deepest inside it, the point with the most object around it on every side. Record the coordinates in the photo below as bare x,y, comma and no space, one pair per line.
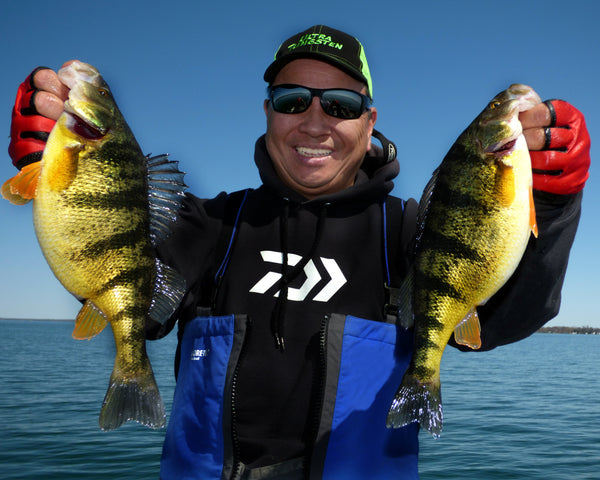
365,104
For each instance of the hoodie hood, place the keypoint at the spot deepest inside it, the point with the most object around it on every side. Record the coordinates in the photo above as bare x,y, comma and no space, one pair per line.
374,179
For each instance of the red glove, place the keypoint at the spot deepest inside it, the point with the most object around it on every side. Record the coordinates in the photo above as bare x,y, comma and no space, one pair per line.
29,130
562,166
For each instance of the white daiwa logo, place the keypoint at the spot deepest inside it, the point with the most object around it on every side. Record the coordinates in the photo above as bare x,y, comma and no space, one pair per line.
312,277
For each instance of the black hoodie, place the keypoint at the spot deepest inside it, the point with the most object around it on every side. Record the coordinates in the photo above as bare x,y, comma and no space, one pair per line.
336,263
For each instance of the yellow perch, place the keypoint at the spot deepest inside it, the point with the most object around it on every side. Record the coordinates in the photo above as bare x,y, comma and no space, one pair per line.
99,207
475,219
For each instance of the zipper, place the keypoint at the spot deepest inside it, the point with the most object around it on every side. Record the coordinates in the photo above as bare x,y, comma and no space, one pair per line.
236,470
320,394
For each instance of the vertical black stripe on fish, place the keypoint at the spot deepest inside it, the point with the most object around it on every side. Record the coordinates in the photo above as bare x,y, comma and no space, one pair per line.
450,197
134,313
425,347
430,322
127,277
130,238
438,287
133,198
124,151
439,242
421,372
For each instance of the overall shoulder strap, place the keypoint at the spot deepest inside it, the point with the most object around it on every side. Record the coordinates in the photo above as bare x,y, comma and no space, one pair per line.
399,222
231,217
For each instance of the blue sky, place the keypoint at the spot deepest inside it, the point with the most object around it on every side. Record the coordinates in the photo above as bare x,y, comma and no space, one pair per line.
188,78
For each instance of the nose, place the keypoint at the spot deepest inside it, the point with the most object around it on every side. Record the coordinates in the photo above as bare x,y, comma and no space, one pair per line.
315,121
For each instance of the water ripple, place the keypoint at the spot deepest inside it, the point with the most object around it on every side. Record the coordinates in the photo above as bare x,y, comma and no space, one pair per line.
524,411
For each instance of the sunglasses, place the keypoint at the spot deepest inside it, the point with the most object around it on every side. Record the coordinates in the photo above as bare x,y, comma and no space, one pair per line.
337,102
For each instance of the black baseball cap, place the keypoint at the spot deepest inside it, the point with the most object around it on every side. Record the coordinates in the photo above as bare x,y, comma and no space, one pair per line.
327,44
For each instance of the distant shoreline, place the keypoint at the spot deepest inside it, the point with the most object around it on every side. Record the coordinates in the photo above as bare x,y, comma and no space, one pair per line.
571,330
561,330
39,319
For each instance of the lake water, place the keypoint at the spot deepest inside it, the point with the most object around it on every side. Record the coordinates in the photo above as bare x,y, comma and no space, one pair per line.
529,410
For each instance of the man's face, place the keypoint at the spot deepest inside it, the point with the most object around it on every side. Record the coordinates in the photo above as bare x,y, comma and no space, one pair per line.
315,153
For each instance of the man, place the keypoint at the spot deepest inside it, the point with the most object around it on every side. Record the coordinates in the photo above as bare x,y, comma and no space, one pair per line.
289,356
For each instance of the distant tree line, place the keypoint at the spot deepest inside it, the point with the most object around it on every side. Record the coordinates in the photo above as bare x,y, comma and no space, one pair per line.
578,330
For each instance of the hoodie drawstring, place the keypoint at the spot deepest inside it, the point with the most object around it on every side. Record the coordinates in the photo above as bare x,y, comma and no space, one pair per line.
278,315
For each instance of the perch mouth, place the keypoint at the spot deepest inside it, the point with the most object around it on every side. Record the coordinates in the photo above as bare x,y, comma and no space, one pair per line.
502,148
83,129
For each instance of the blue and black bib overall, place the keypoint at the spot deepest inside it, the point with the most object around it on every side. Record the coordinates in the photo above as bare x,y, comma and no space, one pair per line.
362,364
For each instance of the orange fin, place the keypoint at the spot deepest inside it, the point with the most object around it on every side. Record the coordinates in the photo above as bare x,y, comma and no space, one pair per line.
22,188
468,331
532,218
505,184
90,322
61,174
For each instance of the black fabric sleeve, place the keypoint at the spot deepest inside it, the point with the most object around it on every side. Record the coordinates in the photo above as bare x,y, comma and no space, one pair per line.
190,251
531,297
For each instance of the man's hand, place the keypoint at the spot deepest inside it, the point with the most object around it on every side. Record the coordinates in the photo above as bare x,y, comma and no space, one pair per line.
559,145
39,103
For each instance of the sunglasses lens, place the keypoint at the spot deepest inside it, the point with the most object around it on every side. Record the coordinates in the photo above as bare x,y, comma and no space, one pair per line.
291,100
342,104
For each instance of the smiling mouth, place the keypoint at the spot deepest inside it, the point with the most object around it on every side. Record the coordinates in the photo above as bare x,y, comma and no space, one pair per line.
313,152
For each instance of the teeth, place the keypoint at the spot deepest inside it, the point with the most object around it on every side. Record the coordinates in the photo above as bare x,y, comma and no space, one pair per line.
313,152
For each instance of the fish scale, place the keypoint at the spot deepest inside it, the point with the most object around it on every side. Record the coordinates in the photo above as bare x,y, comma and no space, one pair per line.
474,221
